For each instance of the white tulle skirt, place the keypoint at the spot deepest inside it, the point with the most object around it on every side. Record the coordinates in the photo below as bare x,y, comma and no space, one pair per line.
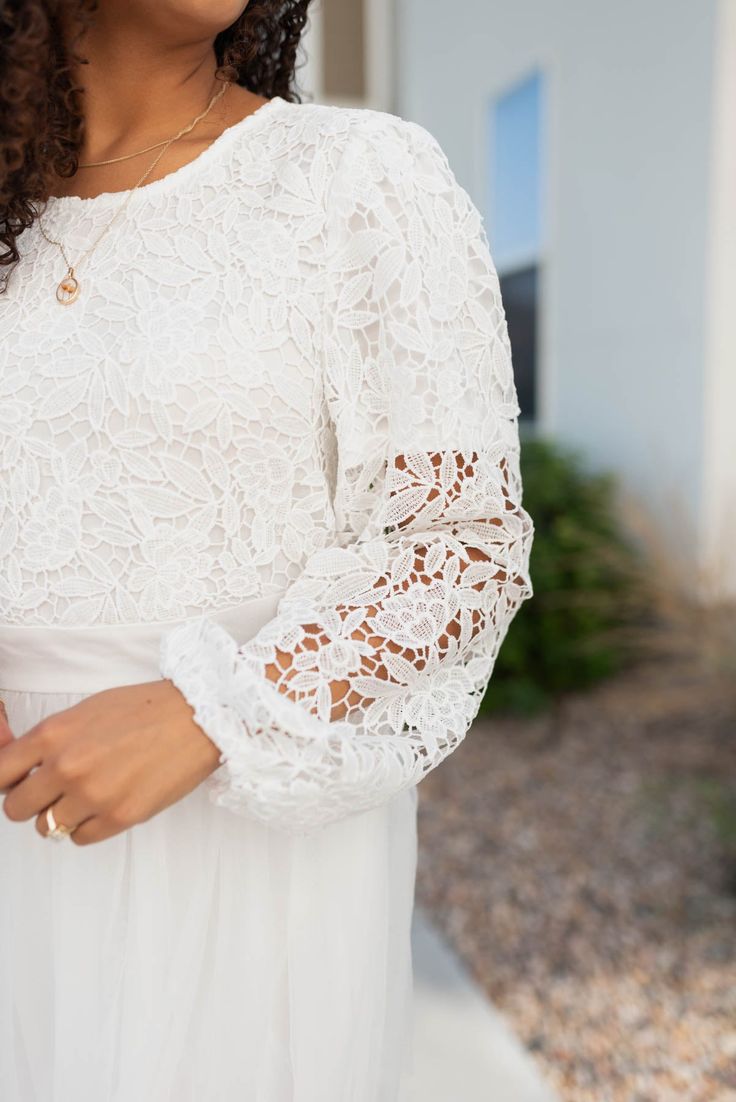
200,956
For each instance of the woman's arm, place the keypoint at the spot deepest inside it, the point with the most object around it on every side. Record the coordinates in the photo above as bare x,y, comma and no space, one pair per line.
374,665
343,696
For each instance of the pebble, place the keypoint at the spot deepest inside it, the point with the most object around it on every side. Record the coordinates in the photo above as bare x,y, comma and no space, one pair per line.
574,862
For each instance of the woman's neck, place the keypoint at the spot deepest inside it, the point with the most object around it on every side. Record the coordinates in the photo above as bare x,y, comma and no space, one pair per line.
142,85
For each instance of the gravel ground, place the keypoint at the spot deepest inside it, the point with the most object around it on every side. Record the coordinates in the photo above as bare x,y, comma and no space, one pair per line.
575,864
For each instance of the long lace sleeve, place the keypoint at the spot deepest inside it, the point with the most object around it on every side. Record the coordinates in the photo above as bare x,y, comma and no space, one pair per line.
373,667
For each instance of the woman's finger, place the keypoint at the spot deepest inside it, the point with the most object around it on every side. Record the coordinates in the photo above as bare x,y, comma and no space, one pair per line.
94,829
67,811
32,794
18,757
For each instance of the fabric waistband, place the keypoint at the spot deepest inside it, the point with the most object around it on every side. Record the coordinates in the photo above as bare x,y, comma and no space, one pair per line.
59,659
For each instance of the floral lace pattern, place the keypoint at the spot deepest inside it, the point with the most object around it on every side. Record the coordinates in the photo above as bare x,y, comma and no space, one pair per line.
163,440
287,373
374,665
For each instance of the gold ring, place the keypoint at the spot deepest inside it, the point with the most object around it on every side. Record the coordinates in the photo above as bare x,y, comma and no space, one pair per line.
56,830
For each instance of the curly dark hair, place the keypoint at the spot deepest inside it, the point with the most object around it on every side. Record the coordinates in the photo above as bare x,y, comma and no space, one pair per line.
41,106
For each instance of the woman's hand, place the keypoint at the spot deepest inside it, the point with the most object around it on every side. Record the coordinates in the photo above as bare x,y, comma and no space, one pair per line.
113,760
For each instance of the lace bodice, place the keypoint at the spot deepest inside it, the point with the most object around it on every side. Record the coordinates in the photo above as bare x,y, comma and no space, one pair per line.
287,373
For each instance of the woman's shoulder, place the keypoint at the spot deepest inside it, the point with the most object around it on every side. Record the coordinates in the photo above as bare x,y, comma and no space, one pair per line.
305,155
335,118
360,129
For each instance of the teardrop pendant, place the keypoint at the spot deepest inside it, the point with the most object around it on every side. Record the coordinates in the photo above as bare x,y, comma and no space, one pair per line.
67,291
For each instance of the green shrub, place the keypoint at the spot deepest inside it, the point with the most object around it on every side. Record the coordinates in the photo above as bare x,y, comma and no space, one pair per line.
571,633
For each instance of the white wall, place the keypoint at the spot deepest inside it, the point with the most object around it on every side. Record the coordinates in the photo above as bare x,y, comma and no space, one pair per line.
628,133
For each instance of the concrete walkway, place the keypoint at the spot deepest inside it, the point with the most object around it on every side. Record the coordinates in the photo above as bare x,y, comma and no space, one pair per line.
464,1051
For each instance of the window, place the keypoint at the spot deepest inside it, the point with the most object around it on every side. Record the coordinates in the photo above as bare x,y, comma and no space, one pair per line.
516,223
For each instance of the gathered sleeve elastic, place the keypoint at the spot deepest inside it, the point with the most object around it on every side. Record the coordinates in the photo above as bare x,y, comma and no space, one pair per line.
374,664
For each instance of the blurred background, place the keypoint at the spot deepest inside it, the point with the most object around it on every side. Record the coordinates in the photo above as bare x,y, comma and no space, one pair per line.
576,927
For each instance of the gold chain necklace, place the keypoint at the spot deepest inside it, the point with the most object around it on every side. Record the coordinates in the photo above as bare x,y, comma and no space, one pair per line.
67,290
125,156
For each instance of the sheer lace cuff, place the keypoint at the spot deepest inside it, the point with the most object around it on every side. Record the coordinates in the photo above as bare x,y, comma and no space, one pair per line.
279,763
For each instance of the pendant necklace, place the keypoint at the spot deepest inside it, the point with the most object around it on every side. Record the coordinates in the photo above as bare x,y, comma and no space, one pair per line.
68,288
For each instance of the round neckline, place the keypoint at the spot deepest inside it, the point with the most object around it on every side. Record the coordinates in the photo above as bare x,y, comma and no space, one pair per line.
176,176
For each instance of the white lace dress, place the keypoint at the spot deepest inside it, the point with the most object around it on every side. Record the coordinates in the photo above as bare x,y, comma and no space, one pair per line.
277,430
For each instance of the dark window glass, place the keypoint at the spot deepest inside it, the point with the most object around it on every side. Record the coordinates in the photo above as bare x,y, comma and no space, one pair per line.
520,291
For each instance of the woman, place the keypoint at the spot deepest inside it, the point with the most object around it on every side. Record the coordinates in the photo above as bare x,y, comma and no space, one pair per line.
261,538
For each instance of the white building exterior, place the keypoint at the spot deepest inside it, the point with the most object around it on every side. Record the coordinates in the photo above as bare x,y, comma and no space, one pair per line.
636,354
